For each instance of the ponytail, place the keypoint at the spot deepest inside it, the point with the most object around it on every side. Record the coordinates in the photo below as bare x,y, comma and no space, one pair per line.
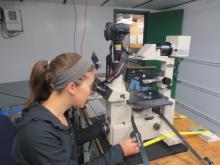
38,83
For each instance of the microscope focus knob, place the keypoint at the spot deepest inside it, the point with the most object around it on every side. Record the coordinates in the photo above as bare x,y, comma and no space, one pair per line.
166,81
156,126
105,128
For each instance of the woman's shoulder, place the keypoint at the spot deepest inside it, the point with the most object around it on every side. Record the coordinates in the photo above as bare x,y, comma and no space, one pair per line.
37,128
38,115
35,133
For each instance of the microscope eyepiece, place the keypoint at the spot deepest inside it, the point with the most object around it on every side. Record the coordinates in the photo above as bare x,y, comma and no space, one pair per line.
101,88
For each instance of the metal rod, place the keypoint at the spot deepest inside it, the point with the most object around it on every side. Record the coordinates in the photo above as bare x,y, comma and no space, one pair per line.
8,94
104,3
180,136
208,91
143,3
208,63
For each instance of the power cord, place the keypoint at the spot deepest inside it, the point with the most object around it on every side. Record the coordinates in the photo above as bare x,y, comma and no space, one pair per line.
75,26
84,29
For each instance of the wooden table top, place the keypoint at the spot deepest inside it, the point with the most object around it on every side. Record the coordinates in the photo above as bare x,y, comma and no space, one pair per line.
210,150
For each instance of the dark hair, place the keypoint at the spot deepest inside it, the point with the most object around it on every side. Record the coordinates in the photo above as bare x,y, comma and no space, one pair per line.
45,73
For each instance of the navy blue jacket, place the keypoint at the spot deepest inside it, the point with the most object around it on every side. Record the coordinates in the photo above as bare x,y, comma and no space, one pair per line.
41,139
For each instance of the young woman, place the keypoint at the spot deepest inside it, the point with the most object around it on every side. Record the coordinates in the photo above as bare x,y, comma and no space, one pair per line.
43,136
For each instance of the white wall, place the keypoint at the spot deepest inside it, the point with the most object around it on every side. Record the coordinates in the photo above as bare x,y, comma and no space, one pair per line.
49,28
48,31
199,91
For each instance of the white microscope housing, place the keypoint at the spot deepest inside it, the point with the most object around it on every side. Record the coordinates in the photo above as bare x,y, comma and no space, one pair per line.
149,124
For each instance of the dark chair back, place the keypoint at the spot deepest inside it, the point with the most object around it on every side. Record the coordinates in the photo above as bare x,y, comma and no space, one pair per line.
6,140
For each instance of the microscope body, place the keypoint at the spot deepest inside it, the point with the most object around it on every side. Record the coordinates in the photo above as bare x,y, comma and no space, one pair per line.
149,124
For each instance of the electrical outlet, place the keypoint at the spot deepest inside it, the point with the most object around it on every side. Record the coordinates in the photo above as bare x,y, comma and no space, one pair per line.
13,20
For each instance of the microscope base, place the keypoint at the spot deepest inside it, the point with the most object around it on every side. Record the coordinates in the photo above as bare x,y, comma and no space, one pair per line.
148,129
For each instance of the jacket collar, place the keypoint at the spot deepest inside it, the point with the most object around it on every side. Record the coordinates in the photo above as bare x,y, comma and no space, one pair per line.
38,112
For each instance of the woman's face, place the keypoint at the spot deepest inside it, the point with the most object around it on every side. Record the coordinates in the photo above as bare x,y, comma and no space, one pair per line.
84,90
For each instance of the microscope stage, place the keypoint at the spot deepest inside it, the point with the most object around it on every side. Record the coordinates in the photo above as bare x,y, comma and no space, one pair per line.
141,101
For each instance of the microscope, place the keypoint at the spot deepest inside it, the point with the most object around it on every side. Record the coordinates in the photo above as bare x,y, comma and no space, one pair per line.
143,106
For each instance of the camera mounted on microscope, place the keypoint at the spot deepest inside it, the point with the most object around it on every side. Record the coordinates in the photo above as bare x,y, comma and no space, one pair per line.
115,61
115,32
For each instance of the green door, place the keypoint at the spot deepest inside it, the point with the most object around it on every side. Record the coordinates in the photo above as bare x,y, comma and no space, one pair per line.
161,24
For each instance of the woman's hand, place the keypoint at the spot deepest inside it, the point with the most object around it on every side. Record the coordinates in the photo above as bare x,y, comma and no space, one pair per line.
129,147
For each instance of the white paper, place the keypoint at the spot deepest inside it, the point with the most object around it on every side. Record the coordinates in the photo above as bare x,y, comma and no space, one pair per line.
140,39
133,39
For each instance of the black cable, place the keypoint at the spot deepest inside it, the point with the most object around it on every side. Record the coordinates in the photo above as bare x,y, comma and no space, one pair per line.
75,26
104,3
143,3
137,136
88,123
118,69
68,115
84,29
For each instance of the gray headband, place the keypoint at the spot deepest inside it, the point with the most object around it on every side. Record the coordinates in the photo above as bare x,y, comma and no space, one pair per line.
73,74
